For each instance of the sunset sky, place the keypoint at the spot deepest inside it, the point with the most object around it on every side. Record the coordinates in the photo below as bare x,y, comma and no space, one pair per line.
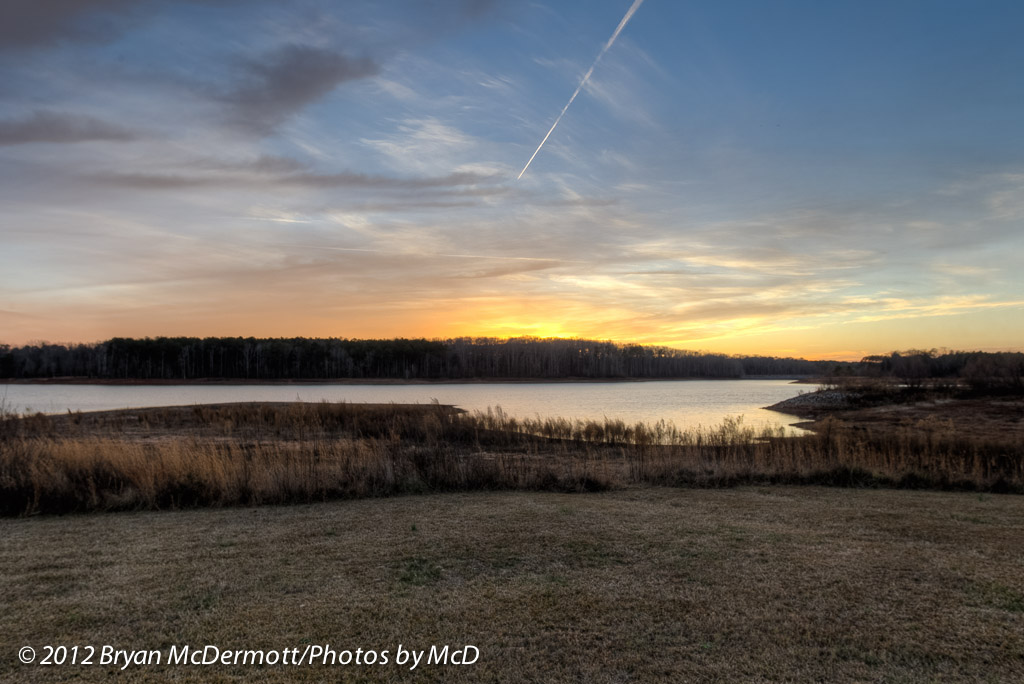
820,179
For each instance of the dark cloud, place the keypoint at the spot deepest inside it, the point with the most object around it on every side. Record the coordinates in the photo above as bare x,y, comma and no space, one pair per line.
261,177
155,181
39,23
31,23
289,79
263,164
57,127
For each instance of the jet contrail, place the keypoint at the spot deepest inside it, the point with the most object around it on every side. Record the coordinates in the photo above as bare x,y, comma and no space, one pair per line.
622,24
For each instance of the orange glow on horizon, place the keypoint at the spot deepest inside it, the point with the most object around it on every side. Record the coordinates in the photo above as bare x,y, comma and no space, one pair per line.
821,337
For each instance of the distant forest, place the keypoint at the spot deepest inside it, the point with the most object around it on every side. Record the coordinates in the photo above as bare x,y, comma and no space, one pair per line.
981,370
189,358
238,358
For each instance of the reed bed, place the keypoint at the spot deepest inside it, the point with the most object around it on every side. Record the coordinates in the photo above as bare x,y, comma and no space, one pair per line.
249,454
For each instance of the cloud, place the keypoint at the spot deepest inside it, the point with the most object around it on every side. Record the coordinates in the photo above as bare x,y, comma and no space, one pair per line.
266,172
265,163
27,24
1007,203
56,127
424,144
15,315
349,179
279,85
31,23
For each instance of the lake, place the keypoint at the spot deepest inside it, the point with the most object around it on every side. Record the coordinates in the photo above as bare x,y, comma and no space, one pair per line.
687,403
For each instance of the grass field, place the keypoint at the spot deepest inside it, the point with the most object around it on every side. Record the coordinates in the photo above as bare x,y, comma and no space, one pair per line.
642,584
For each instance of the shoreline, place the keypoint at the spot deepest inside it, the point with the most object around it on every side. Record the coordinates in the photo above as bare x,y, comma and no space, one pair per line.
138,412
75,380
979,417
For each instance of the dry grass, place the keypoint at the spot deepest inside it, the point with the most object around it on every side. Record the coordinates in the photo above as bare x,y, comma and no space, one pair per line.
244,454
641,585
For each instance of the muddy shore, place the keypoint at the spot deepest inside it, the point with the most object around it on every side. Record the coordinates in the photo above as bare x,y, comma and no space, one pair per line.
1001,416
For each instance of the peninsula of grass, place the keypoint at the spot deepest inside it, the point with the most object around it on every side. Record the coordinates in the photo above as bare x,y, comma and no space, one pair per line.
250,454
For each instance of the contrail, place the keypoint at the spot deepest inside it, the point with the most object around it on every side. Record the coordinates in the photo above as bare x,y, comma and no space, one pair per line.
622,24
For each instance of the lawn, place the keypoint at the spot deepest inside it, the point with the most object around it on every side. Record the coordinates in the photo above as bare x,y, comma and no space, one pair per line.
640,584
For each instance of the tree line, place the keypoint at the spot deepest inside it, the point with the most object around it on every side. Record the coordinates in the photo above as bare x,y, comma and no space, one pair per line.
191,358
981,370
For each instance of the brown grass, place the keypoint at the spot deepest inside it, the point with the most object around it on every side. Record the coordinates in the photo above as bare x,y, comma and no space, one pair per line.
245,454
752,584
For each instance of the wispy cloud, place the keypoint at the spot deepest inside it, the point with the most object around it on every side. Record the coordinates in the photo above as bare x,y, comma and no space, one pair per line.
426,145
268,172
157,181
428,255
44,126
888,309
1007,202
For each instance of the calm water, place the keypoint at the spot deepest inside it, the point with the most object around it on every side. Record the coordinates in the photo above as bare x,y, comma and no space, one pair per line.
687,403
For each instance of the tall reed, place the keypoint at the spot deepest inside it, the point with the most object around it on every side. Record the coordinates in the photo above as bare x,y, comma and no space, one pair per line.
247,454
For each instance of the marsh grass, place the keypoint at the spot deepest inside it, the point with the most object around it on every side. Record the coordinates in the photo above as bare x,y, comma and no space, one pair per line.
249,454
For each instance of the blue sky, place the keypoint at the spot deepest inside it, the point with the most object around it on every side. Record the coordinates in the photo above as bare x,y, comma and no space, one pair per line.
819,179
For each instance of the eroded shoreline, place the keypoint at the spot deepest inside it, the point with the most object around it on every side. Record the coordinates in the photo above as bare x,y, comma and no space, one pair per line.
971,417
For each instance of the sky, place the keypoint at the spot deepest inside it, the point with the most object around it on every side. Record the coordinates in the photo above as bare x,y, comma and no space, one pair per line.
794,178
